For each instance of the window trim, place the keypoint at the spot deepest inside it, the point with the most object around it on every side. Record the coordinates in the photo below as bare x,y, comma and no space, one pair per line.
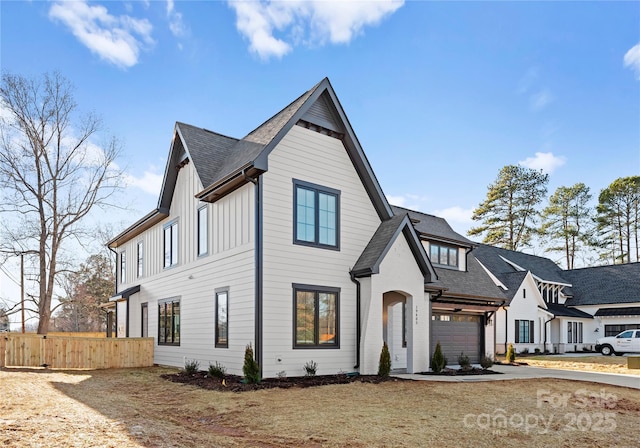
171,301
316,189
199,230
140,259
123,266
531,332
449,248
144,325
316,290
170,226
217,343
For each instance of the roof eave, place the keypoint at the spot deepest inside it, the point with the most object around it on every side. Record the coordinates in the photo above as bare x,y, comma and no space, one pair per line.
138,227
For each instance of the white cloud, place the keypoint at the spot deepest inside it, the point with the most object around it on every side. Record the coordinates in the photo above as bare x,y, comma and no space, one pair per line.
332,21
410,201
632,59
455,214
544,161
116,39
540,100
176,24
150,181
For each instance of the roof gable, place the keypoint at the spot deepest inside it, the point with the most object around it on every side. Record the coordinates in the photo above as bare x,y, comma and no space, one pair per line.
381,242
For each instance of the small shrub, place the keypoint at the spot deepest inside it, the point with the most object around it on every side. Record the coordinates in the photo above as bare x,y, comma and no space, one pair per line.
524,351
486,362
310,368
536,351
191,366
282,375
250,369
384,366
217,370
438,361
464,362
511,354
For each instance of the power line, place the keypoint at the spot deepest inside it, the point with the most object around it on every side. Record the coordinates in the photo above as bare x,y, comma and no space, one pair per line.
9,275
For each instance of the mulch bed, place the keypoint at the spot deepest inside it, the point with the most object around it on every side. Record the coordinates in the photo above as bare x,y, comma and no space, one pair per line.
460,372
233,383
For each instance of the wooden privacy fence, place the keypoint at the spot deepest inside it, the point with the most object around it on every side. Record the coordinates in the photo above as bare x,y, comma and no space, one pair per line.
63,352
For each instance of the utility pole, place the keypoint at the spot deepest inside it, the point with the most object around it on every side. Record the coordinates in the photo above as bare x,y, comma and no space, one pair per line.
22,287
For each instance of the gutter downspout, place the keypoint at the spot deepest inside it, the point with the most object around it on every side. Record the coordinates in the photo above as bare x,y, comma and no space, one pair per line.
506,327
466,259
545,332
358,323
258,272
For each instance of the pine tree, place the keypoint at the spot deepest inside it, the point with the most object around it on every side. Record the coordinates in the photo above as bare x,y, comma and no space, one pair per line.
384,366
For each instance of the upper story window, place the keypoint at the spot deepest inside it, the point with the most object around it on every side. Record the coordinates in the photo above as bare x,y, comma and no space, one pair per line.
140,259
123,267
203,240
171,244
316,216
443,255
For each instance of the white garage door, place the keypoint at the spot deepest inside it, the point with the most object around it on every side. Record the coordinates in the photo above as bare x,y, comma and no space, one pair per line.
457,333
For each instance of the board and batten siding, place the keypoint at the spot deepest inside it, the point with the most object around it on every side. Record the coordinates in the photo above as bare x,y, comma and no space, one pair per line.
311,157
229,263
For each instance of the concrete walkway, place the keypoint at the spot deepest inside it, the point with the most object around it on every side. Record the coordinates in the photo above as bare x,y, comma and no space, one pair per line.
528,372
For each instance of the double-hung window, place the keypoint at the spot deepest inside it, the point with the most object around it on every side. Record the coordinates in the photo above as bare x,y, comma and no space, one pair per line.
202,231
315,316
524,331
316,217
169,322
171,244
123,267
222,319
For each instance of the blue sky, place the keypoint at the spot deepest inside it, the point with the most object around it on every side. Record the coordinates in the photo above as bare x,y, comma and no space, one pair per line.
440,94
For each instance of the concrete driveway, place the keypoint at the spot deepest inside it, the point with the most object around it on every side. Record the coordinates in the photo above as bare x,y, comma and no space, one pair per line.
528,372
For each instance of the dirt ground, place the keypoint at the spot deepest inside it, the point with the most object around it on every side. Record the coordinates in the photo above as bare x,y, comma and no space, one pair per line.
137,408
588,363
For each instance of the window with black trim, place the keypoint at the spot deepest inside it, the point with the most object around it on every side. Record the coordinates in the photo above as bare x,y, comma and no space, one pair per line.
222,319
123,267
171,244
574,332
443,255
140,259
203,239
316,216
524,331
315,316
169,322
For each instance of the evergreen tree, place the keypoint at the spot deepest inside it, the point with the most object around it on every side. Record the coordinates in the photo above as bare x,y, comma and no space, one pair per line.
508,215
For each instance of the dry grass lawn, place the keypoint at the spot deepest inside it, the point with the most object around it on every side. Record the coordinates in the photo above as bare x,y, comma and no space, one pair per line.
136,408
593,363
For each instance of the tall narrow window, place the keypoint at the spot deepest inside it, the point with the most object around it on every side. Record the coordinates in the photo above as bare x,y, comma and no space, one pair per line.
222,319
316,215
144,311
140,259
169,322
123,267
202,231
315,317
524,331
171,244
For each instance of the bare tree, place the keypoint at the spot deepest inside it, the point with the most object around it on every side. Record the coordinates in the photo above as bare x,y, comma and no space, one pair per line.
52,174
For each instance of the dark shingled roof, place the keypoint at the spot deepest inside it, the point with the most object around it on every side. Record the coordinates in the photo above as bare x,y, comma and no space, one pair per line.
369,261
433,227
560,310
474,282
605,285
512,280
541,267
627,311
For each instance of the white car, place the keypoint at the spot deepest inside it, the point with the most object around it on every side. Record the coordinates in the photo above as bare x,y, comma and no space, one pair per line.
626,342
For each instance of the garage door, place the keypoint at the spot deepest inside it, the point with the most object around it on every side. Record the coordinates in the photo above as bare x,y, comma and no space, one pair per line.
457,333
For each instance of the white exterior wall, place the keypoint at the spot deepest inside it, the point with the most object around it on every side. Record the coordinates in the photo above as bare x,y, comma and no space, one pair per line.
489,337
309,156
400,273
229,263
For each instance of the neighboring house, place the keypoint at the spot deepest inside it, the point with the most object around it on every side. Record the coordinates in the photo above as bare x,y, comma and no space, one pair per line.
463,313
283,240
560,310
609,293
